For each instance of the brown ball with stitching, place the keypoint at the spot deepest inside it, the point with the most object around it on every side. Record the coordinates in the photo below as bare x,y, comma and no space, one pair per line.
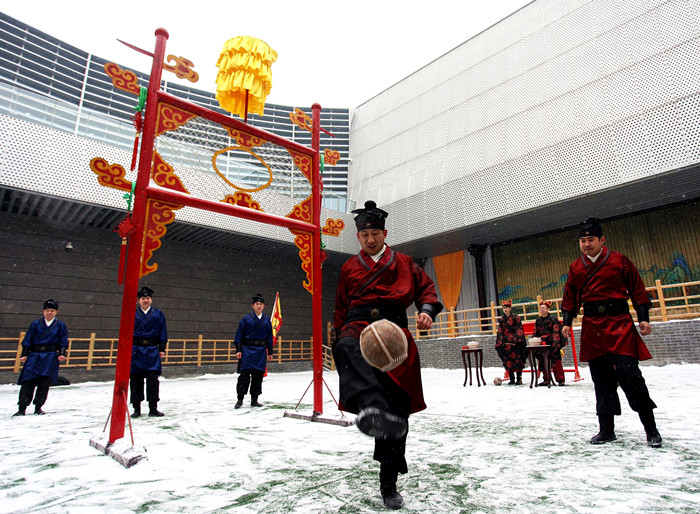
383,345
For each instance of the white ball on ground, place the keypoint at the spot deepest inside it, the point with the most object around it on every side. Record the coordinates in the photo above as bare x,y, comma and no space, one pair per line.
497,381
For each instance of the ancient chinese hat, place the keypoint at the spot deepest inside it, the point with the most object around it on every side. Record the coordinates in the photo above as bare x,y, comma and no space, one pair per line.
548,303
370,217
258,298
50,304
144,291
507,303
590,227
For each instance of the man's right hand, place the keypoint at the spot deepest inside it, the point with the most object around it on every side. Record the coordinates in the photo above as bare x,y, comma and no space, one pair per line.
238,355
565,330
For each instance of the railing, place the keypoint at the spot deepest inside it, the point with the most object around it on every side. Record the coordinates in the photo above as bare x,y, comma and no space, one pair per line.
669,302
94,352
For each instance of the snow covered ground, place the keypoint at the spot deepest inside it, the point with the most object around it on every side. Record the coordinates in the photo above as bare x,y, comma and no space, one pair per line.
475,449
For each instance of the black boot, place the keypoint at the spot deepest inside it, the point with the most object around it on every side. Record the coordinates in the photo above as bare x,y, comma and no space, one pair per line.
381,424
239,403
137,411
254,402
519,380
21,411
607,430
153,411
653,437
511,382
387,486
38,411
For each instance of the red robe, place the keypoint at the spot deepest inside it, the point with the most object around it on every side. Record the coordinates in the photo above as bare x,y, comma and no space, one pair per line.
394,280
612,276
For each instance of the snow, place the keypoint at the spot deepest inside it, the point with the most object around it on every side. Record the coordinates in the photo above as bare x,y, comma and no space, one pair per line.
475,449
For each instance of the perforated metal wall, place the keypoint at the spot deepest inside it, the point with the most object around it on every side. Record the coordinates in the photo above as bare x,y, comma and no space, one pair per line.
561,99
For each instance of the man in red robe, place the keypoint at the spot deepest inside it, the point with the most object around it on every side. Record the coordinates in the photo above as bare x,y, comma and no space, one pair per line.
603,280
549,329
380,283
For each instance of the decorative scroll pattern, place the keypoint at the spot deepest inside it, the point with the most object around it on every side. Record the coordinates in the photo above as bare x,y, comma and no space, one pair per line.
164,175
182,68
331,157
303,162
301,119
110,175
123,79
242,200
171,118
244,139
302,211
333,227
158,215
302,240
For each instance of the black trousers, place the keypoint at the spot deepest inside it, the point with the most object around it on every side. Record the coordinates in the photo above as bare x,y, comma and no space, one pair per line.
152,386
609,370
26,392
250,377
362,386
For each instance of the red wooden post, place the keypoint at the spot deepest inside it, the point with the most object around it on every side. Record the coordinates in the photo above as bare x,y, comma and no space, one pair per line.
317,311
133,260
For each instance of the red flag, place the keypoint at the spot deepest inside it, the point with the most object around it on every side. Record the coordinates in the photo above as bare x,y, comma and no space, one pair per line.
276,317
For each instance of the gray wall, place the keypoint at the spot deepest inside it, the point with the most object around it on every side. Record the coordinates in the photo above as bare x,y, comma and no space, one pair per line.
201,290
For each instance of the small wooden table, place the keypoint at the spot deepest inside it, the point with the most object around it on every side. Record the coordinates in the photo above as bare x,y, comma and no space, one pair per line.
478,365
532,358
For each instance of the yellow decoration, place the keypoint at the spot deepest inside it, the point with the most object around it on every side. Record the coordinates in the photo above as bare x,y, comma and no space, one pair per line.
244,70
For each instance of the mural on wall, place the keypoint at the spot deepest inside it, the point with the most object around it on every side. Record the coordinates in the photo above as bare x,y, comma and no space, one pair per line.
664,245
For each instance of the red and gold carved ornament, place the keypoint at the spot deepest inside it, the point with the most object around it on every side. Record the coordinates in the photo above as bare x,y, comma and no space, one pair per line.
182,68
123,79
303,162
302,211
242,200
244,139
302,240
333,227
110,175
158,215
171,118
331,157
164,175
301,119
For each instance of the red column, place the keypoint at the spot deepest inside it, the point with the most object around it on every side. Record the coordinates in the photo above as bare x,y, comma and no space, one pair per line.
133,259
317,305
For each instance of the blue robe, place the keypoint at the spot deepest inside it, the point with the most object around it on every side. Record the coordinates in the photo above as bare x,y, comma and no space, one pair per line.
250,327
149,326
43,364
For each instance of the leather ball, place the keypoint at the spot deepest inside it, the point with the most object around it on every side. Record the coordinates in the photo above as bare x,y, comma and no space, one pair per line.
383,345
497,381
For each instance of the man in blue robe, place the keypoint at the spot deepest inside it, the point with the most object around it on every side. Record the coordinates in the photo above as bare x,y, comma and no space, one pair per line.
43,346
150,340
253,348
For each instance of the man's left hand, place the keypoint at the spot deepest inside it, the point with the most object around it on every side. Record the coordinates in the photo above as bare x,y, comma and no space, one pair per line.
424,321
269,357
61,358
644,328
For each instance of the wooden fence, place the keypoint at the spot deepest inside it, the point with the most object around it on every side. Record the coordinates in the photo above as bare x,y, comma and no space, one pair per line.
94,352
669,302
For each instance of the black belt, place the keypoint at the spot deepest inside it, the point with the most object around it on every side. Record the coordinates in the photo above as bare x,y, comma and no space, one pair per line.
254,342
46,348
145,342
372,314
606,308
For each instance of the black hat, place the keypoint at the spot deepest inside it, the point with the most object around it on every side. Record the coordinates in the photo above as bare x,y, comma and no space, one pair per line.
258,298
144,291
50,304
590,227
370,217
